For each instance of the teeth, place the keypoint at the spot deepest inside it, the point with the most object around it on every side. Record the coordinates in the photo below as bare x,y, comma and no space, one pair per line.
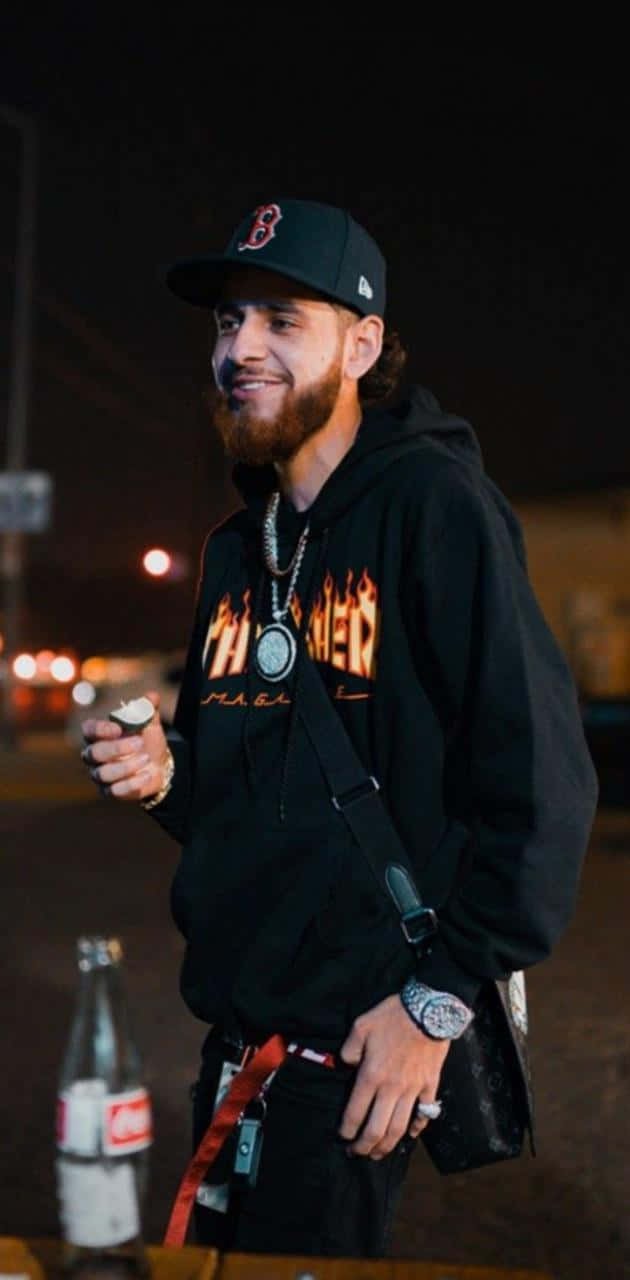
252,386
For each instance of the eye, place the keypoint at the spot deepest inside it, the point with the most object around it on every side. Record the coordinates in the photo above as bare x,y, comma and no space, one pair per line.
226,324
282,322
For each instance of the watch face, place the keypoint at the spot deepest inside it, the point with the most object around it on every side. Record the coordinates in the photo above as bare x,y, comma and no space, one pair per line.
444,1018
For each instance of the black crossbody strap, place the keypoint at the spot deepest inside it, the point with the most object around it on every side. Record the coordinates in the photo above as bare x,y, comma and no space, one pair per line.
355,794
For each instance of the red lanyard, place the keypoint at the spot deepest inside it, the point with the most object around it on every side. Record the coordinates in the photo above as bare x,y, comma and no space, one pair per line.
248,1084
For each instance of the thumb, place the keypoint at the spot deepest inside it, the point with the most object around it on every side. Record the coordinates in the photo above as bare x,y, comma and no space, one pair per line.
352,1048
153,733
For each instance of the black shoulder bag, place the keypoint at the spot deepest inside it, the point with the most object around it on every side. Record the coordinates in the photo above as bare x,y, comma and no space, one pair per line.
485,1087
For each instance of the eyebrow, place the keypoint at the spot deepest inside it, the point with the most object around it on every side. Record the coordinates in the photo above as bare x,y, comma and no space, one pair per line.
265,305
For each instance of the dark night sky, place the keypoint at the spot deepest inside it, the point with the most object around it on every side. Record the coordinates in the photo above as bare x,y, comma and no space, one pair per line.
491,179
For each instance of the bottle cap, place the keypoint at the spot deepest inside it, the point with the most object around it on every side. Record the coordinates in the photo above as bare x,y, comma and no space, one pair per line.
98,952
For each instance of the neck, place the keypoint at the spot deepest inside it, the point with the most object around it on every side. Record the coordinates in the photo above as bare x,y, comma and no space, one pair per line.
301,477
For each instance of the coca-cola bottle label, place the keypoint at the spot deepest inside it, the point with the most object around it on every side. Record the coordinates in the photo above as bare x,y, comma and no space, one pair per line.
91,1121
127,1125
79,1117
98,1203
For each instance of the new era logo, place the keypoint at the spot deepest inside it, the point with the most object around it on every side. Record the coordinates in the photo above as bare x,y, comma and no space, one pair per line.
365,288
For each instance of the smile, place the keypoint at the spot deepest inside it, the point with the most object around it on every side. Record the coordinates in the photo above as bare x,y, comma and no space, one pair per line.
252,386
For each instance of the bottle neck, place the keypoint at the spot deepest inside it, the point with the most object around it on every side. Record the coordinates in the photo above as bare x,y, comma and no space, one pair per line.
100,1046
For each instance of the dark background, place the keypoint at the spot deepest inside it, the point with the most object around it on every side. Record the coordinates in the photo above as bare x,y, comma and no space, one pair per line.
489,171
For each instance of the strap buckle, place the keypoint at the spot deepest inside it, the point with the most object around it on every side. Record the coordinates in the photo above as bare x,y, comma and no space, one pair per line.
355,793
418,925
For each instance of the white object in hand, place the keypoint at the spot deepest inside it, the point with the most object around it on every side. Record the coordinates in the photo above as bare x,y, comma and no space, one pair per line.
133,715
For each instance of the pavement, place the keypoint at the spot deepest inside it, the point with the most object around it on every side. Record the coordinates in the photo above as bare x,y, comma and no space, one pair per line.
71,862
44,770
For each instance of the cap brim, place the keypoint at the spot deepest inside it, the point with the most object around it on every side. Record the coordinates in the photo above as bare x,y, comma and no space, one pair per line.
200,280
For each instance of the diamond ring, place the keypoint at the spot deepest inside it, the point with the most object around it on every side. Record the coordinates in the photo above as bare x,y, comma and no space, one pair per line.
428,1110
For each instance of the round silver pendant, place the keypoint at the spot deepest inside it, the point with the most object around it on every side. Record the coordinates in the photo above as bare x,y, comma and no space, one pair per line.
275,652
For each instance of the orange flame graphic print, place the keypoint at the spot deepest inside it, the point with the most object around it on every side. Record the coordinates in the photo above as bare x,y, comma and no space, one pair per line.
343,630
230,633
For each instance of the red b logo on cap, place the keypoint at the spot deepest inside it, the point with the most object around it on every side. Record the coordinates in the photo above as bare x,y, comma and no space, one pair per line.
262,229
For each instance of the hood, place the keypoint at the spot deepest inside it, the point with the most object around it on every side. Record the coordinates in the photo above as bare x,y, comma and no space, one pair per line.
384,435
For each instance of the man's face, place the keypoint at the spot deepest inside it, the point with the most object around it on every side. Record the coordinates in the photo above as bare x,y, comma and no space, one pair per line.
277,364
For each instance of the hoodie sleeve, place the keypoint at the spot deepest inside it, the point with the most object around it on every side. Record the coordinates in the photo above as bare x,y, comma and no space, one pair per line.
173,812
529,785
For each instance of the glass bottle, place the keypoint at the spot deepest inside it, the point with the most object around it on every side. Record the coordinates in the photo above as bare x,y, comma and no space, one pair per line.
104,1126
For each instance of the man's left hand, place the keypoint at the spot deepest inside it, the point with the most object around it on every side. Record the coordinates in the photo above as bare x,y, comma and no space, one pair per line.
398,1065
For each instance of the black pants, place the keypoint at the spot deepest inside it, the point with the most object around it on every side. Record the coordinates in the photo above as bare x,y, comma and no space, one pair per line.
310,1196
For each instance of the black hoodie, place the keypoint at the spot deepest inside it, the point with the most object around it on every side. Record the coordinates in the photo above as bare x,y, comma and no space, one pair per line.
414,600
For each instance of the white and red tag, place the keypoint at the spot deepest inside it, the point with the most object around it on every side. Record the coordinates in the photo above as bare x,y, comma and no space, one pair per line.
92,1122
299,1051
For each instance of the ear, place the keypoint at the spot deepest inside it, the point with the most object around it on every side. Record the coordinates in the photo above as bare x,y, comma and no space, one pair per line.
363,343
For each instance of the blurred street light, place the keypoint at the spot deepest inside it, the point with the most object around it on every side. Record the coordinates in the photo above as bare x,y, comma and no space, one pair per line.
63,669
163,564
43,660
84,693
94,669
24,666
157,562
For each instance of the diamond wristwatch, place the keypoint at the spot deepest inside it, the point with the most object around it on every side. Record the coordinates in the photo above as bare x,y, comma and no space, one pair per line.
439,1014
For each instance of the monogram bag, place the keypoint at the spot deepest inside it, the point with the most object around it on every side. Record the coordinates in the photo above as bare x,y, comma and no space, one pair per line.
485,1087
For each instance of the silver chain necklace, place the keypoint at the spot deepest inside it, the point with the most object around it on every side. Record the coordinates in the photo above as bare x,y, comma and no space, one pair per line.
270,543
276,650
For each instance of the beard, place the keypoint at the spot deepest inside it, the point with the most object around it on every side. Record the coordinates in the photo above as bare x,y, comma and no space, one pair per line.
259,441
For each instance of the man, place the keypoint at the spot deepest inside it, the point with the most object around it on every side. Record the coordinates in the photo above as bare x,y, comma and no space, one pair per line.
372,544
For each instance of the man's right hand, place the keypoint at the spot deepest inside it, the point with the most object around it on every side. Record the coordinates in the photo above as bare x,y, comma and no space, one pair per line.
128,767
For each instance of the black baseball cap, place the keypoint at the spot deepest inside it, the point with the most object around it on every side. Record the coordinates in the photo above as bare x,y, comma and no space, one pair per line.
316,244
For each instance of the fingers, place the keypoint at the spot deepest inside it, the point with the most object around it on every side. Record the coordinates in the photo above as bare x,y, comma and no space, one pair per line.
418,1123
125,768
352,1048
383,1113
135,787
375,1119
359,1103
137,783
117,764
99,752
388,1122
93,729
399,1125
373,1138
